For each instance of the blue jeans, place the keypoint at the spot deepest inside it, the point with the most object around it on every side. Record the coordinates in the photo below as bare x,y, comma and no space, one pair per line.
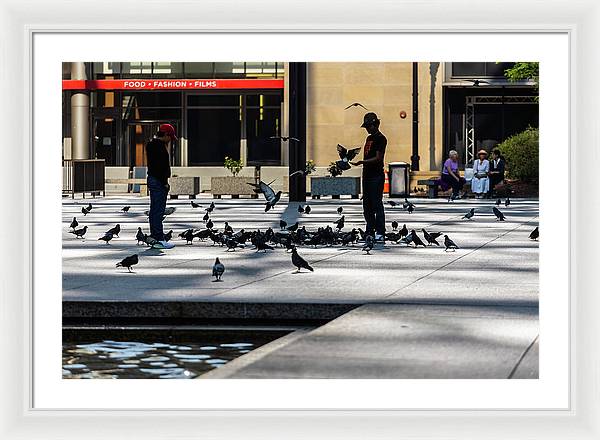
373,204
158,202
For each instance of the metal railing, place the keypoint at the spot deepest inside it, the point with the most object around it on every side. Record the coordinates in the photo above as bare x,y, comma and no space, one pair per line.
83,176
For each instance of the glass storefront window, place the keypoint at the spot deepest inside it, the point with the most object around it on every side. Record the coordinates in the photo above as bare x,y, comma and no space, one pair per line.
212,135
480,70
167,69
261,124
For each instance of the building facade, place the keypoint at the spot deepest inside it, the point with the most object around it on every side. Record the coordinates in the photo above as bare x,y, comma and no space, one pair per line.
111,109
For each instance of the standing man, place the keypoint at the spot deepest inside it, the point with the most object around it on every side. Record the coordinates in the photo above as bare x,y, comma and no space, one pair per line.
373,177
159,171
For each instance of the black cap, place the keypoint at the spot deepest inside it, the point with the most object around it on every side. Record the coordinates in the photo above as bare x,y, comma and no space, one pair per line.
369,119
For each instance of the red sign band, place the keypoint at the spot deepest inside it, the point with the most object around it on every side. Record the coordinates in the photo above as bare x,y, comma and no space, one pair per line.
171,84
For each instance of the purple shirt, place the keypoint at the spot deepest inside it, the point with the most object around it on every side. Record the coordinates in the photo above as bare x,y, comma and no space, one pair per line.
453,166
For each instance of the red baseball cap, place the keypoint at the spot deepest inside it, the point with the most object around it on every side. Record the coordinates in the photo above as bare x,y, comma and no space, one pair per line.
168,130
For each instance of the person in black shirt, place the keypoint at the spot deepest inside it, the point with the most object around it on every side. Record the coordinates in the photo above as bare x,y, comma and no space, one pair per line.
159,171
497,167
373,177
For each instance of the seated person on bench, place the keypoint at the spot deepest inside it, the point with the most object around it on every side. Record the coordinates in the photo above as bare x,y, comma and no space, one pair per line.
450,175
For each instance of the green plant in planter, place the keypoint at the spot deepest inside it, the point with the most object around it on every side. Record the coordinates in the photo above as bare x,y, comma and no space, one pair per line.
234,166
521,152
310,167
334,170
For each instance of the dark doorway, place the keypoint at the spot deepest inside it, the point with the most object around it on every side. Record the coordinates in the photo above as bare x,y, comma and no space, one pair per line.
138,134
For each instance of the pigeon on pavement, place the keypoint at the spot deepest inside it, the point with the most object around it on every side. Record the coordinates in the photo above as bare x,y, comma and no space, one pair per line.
340,210
498,214
168,236
449,244
394,225
431,236
125,208
282,224
79,233
392,203
507,202
498,202
404,231
416,240
139,236
128,262
293,228
194,204
84,211
106,237
534,234
307,209
74,223
469,215
369,242
339,223
115,230
299,262
187,235
217,270
300,209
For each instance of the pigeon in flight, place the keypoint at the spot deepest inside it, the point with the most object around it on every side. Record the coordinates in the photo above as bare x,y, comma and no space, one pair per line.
369,242
125,208
115,230
345,157
270,196
257,188
507,202
128,262
340,210
299,262
74,223
476,82
449,244
356,104
140,236
79,233
286,138
498,214
282,224
534,234
498,202
469,215
217,270
431,236
339,223
394,225
194,204
106,237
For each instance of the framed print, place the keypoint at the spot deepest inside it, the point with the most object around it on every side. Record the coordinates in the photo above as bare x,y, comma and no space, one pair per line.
281,223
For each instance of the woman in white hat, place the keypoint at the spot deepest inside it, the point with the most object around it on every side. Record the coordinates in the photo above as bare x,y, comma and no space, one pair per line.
480,184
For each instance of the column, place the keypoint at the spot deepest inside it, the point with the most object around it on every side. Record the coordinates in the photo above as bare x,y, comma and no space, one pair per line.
80,113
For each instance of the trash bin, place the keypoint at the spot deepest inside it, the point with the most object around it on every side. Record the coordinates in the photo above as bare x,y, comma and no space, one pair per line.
398,175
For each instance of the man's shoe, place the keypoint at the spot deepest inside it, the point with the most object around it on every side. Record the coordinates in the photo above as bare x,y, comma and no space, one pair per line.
166,244
379,238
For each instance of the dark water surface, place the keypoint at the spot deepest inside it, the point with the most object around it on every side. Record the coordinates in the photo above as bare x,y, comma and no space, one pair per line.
155,357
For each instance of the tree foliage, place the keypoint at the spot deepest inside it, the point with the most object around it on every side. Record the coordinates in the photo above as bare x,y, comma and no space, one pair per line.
524,71
521,153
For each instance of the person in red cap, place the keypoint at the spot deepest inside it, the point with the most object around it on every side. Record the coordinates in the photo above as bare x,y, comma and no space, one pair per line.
159,171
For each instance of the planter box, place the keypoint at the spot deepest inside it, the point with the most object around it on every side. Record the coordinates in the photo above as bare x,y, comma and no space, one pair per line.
233,186
335,186
184,186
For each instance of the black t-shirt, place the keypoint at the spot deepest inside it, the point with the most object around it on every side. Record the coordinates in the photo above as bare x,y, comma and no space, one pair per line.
158,160
374,143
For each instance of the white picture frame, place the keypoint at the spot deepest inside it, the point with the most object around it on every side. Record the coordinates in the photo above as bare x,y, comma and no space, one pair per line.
20,21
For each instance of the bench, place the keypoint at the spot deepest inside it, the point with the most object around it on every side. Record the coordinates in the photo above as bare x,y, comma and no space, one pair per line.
432,187
141,182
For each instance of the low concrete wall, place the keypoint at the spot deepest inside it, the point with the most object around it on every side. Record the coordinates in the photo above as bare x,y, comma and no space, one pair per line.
116,173
206,173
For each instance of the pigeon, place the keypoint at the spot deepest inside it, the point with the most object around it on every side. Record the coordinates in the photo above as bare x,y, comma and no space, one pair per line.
107,237
170,210
188,236
340,210
394,225
299,262
407,204
270,196
498,214
293,228
345,157
139,236
286,138
449,244
150,241
369,242
89,207
228,229
534,234
205,218
300,209
431,236
404,231
469,215
210,208
125,208
232,244
302,173
204,234
356,104
257,188
498,202
209,224
476,82
410,208
307,209
74,223
84,211
392,203
168,236
415,239
128,262
282,224
262,246
339,223
115,230
507,202
79,233
217,270
194,204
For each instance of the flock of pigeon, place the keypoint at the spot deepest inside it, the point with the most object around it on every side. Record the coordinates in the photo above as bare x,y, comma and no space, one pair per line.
289,237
